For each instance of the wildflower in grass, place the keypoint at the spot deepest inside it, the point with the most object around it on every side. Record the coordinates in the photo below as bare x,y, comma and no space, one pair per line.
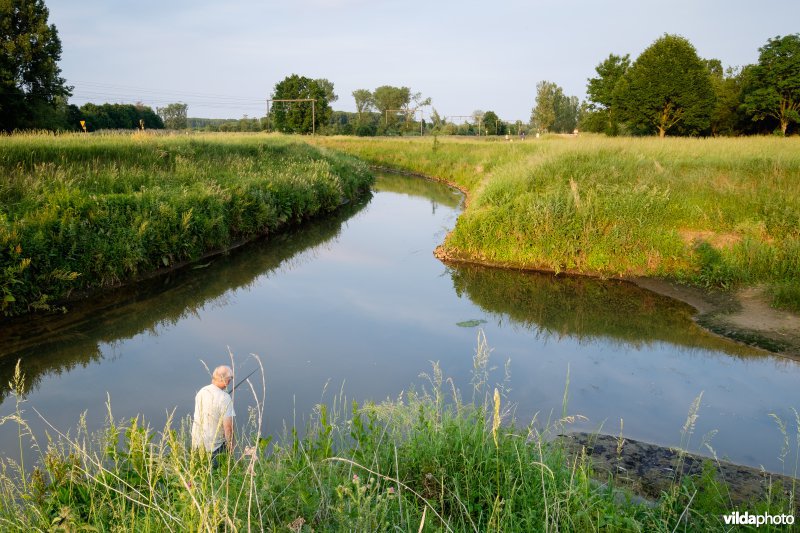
496,417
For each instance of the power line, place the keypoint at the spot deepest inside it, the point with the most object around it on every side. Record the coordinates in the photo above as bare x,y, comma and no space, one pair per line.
145,90
92,91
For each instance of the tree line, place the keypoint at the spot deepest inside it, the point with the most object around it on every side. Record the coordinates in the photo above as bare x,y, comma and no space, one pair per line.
668,89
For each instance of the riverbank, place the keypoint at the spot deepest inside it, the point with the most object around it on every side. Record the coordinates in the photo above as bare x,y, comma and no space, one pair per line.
427,461
744,315
717,217
649,470
80,213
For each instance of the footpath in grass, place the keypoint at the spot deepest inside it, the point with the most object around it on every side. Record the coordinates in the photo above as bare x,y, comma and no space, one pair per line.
82,212
719,213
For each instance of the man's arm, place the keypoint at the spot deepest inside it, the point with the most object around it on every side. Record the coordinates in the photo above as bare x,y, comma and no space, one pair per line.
227,427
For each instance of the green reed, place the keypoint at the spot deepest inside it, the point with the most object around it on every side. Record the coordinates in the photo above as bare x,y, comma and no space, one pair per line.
79,212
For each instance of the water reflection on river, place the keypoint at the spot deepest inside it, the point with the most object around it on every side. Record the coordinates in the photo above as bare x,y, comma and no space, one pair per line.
359,303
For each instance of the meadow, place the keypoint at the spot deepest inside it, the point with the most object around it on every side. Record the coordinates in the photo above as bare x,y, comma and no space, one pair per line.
80,213
717,212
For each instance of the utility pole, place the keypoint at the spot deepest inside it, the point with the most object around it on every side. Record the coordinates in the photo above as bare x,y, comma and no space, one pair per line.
313,109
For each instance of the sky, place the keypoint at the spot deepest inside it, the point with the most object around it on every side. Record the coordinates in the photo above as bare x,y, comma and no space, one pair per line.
224,57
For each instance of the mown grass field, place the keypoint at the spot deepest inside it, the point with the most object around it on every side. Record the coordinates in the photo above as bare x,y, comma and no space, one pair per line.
81,212
712,212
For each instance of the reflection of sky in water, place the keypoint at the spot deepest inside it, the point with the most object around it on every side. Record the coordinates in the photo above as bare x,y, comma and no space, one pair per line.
371,307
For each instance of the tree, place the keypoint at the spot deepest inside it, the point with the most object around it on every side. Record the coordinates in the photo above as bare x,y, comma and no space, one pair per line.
364,102
776,81
477,120
32,93
667,86
566,112
493,124
174,116
727,84
543,114
602,94
554,111
388,99
301,117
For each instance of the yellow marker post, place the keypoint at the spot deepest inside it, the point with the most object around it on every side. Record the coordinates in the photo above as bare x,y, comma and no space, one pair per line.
83,125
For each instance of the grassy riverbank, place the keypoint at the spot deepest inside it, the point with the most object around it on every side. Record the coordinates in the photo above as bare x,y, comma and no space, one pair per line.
81,212
711,212
431,460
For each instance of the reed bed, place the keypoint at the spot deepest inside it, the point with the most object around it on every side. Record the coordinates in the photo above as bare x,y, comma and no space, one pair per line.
82,212
712,212
432,459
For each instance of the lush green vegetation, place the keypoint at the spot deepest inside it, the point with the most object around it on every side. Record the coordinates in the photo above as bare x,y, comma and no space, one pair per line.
300,116
79,212
713,212
34,95
114,116
669,89
429,461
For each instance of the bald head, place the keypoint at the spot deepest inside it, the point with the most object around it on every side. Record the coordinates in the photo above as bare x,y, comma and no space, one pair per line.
221,376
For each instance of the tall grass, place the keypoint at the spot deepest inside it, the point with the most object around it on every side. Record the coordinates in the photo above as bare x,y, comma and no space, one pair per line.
425,461
79,212
713,212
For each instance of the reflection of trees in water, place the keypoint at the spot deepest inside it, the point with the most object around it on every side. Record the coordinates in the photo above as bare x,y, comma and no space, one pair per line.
59,343
437,193
586,308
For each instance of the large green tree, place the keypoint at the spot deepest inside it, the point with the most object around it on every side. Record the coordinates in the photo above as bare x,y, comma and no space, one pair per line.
603,107
32,92
668,86
390,100
776,82
301,117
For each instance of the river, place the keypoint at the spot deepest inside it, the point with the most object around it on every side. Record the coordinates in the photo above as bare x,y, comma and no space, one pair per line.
357,305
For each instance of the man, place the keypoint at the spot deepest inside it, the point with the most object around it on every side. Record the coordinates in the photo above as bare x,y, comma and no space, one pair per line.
212,426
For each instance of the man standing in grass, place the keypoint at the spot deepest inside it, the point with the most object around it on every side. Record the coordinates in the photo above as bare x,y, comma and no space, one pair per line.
212,426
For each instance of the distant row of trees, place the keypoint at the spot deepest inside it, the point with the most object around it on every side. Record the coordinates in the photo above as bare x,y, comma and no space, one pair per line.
670,89
115,116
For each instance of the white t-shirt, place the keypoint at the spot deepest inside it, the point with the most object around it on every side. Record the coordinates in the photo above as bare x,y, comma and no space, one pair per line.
211,406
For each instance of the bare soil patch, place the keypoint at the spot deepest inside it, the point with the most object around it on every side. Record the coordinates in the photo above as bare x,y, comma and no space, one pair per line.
744,315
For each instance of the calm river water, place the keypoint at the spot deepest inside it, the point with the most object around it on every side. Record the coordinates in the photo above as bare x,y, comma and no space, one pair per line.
359,304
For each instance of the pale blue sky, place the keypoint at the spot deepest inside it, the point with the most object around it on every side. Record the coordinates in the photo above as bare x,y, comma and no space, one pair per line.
224,58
